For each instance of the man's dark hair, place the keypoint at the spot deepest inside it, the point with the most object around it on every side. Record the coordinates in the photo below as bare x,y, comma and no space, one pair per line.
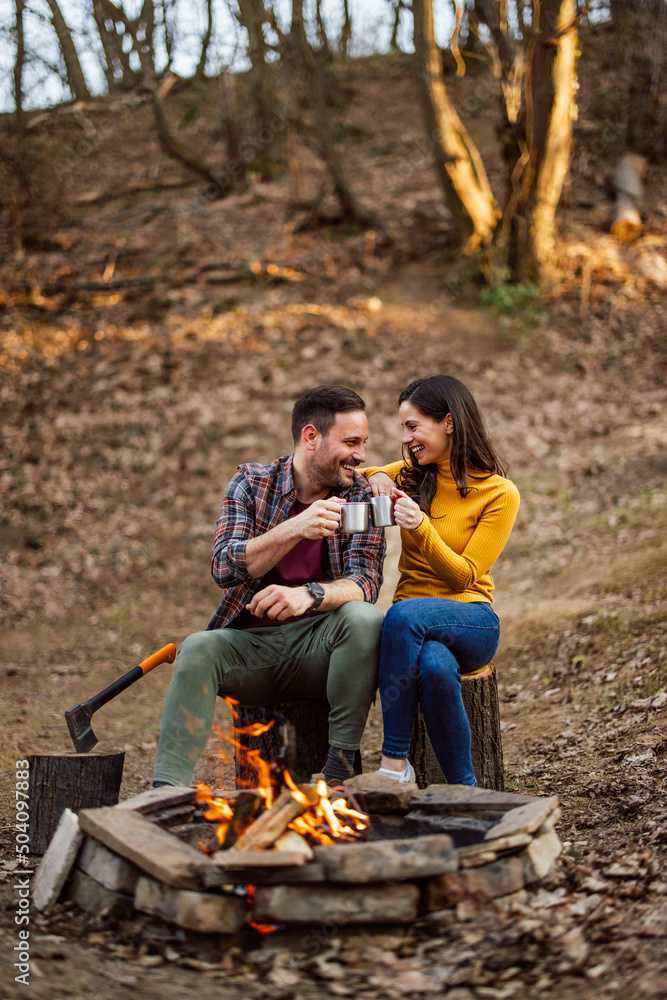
319,407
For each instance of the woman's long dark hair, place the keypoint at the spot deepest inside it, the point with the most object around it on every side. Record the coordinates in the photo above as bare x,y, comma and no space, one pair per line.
472,452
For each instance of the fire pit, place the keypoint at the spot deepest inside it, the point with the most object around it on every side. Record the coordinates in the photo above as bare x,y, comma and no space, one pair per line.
403,853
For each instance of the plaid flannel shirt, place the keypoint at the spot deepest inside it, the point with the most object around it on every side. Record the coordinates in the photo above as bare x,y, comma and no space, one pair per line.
257,499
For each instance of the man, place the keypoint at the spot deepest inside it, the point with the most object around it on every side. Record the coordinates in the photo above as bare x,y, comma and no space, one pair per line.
298,616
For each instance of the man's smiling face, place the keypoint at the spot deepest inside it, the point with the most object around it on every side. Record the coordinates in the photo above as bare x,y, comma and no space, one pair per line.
340,452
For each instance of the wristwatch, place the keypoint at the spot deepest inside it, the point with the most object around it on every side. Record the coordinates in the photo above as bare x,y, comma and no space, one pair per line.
316,591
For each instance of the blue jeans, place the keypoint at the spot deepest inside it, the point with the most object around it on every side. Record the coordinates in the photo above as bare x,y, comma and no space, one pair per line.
427,643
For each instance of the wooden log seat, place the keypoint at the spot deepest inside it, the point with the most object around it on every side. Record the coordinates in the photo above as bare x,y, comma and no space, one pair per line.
297,740
69,780
480,698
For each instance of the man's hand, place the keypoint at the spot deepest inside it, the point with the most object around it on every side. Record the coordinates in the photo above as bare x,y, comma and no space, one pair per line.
280,602
380,483
265,551
320,520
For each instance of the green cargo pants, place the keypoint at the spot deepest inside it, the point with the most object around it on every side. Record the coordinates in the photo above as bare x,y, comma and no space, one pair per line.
332,657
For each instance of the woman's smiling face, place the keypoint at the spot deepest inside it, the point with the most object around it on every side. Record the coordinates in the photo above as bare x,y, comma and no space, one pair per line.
428,440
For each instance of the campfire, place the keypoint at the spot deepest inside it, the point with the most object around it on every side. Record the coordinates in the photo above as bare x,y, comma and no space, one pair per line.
278,852
292,820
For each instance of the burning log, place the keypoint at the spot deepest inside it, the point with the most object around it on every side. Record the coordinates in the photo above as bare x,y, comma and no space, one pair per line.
271,824
248,806
299,741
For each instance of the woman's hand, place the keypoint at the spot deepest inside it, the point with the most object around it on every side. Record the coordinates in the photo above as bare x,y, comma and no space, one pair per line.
380,484
407,513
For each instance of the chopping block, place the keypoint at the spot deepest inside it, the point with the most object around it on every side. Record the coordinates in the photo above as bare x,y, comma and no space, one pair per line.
68,780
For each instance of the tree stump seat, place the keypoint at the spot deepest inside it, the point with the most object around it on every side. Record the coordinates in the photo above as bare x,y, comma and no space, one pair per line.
480,699
297,740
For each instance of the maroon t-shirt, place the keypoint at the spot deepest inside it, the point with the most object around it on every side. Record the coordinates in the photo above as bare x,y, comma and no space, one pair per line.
305,562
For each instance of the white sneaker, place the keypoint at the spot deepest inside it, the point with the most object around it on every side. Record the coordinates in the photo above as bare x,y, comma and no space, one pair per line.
407,775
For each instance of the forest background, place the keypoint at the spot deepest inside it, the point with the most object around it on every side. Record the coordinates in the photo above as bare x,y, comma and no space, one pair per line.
181,257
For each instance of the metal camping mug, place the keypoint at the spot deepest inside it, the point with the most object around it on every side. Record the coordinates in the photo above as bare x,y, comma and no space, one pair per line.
354,517
382,509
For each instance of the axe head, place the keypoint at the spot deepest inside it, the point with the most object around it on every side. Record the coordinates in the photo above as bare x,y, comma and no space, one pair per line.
78,722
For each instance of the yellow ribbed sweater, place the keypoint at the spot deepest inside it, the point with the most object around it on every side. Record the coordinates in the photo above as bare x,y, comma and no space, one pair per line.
452,551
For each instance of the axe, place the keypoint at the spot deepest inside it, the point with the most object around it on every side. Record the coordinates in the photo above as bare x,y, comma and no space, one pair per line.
78,716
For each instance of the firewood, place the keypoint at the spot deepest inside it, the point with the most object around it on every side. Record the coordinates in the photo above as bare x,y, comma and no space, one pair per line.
307,725
265,831
247,807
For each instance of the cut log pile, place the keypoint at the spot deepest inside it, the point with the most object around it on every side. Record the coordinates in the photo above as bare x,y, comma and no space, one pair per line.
442,847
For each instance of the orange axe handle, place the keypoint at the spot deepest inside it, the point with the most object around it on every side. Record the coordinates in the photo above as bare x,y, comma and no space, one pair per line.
165,655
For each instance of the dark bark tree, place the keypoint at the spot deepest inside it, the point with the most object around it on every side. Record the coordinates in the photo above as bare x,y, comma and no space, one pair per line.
398,6
75,78
313,76
19,117
642,32
267,140
110,21
229,120
346,30
322,38
200,72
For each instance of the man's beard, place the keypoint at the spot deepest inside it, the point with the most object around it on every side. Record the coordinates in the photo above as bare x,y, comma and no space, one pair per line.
328,473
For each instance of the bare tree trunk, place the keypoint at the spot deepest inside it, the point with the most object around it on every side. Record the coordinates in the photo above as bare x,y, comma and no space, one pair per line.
229,126
467,190
351,208
267,141
550,78
200,72
75,77
119,73
322,31
346,30
220,185
108,47
19,117
398,6
146,26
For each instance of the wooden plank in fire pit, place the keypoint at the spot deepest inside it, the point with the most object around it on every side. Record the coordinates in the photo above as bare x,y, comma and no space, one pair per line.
148,846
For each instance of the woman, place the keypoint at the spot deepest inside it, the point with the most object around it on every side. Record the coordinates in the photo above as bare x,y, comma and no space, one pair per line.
456,510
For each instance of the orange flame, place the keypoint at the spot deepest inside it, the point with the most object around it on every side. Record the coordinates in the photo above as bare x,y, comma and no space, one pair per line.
324,812
322,819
